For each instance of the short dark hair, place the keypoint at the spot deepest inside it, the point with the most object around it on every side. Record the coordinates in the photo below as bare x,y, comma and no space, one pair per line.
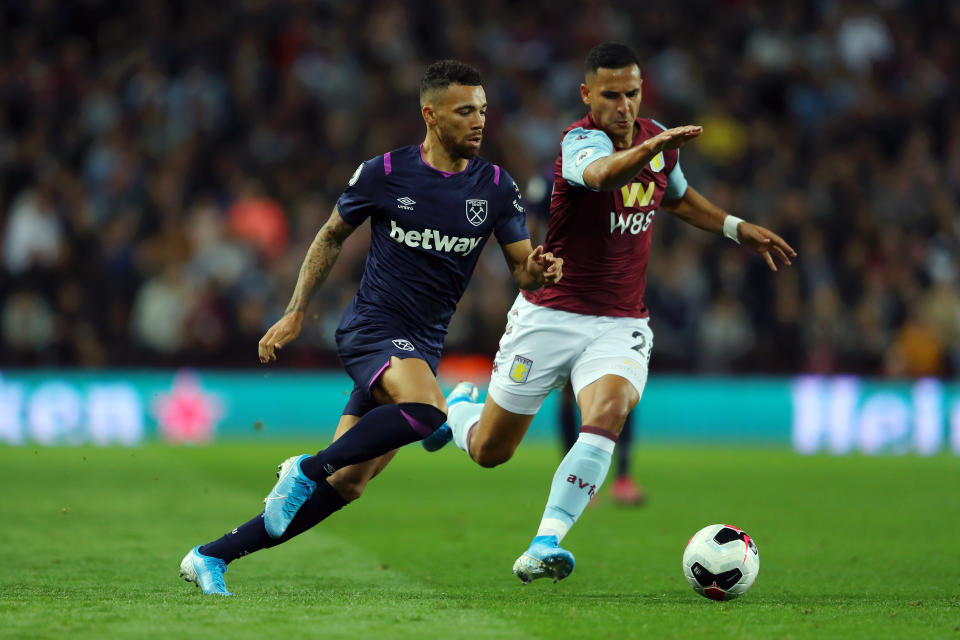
443,73
610,55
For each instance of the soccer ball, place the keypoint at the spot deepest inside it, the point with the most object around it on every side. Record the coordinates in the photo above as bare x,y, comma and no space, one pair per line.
721,562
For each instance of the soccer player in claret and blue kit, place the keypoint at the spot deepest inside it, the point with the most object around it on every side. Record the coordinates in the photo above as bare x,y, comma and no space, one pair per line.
615,171
431,209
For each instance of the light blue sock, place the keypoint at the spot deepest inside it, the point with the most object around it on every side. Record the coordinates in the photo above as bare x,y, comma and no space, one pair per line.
578,478
461,417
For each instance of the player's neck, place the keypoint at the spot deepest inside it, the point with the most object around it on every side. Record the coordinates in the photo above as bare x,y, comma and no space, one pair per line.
623,142
438,157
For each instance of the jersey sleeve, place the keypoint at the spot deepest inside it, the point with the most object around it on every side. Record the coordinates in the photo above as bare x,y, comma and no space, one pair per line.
676,181
358,201
579,148
511,223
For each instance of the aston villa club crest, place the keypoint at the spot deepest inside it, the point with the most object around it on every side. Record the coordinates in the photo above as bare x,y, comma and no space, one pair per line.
476,211
657,164
520,370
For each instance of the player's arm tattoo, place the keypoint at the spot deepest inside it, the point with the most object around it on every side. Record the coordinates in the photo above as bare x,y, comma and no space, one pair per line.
321,256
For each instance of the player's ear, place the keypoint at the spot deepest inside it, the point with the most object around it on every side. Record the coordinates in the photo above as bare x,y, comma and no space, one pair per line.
585,94
429,115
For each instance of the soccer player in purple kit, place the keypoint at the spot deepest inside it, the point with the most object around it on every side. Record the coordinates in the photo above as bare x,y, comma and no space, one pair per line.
431,208
614,172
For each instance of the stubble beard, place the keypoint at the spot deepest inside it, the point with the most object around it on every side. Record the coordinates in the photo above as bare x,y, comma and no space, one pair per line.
468,152
459,150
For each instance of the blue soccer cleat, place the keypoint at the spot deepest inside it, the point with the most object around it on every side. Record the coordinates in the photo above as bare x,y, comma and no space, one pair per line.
544,559
204,571
463,392
287,496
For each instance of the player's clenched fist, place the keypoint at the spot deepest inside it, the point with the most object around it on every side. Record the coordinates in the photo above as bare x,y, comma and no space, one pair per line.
284,331
546,268
554,271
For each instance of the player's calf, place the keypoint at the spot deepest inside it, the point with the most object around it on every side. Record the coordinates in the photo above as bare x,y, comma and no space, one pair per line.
495,435
350,482
379,432
464,392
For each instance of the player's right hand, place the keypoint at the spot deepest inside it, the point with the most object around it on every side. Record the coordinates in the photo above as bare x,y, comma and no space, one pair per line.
284,331
674,138
545,268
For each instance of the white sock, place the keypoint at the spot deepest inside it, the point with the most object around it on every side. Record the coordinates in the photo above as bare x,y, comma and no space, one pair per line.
461,417
577,479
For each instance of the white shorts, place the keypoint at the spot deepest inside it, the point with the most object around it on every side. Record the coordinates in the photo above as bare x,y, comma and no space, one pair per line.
542,348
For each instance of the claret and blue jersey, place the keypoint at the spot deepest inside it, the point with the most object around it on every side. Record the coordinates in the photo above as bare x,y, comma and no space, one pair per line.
428,228
604,237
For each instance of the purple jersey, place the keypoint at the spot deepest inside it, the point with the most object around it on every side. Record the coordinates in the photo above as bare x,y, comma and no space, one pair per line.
604,237
428,228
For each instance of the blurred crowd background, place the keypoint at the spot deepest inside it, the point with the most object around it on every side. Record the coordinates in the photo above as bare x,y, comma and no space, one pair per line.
164,166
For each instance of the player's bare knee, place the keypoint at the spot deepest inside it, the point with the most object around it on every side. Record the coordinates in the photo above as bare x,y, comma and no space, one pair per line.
490,455
609,414
489,460
419,394
434,400
432,397
440,403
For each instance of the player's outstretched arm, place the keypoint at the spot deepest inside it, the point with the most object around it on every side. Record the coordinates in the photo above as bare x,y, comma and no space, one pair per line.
321,255
696,210
611,172
532,268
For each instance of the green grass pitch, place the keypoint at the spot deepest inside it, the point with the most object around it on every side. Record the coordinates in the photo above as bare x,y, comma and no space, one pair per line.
850,547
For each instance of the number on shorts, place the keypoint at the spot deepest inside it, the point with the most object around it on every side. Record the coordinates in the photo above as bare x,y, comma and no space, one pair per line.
641,347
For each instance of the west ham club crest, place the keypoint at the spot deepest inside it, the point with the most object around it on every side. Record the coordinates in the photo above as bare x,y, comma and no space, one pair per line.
476,212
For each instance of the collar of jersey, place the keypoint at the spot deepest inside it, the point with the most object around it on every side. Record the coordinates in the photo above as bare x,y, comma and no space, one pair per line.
445,174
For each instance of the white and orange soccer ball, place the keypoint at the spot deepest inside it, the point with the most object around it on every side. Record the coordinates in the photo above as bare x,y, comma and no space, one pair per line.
721,562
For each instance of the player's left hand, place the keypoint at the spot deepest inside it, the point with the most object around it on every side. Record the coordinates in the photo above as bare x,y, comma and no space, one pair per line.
766,243
545,268
283,331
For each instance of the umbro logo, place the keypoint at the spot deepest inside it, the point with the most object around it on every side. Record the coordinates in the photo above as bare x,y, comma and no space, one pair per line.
404,345
406,202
